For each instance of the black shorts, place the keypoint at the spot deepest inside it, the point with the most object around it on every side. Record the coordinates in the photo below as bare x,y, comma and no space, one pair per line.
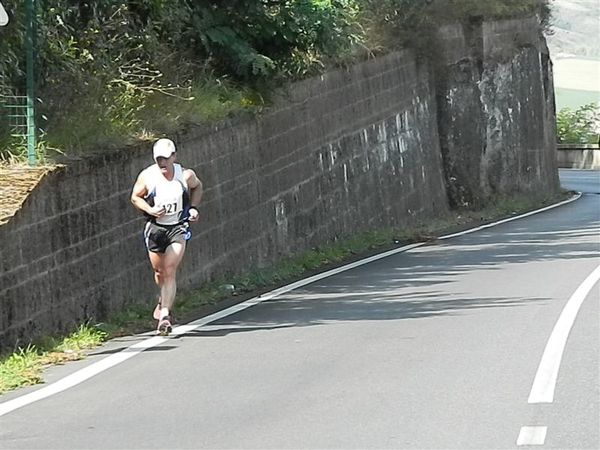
159,237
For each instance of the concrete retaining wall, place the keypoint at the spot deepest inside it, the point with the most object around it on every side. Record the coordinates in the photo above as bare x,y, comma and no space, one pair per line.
577,156
496,103
349,151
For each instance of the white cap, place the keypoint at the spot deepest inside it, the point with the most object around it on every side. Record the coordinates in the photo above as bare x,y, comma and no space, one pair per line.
163,148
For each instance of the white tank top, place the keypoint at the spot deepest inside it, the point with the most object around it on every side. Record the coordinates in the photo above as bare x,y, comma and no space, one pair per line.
170,194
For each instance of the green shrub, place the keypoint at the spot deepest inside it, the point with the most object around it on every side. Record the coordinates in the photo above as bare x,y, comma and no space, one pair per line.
112,64
581,126
251,39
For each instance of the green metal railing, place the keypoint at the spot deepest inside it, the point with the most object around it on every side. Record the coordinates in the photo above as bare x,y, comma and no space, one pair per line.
15,110
19,110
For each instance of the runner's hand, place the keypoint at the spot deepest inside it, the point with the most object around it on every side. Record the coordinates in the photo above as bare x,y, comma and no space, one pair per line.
157,211
194,216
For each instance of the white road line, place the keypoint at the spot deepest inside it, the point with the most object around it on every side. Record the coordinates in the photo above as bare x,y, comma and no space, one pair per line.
544,383
532,436
98,367
80,376
510,219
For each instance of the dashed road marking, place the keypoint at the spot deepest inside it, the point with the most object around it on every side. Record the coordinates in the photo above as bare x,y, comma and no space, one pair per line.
532,435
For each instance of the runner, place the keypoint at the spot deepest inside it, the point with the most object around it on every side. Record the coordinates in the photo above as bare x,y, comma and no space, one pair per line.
168,195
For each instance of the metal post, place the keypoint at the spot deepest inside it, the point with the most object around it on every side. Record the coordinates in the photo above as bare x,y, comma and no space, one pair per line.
31,144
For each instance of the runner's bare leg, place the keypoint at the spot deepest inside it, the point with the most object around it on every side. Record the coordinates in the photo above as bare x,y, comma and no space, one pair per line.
165,272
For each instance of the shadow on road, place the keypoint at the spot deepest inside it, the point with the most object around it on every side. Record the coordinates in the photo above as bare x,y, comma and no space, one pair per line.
423,283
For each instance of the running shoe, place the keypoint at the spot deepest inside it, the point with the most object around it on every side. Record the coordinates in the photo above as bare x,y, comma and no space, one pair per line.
164,327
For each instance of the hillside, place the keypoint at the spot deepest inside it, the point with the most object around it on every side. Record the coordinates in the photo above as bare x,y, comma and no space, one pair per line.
576,27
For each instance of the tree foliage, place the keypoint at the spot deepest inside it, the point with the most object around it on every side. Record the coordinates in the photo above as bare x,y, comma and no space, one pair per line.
115,54
241,38
110,62
580,126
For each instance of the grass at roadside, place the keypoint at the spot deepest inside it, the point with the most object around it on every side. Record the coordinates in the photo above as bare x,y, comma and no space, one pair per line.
25,366
128,117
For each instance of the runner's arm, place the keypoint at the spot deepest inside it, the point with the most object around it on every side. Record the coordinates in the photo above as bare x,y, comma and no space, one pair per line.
138,194
196,190
195,186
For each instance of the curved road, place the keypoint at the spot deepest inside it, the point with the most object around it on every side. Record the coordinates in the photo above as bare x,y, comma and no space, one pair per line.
484,340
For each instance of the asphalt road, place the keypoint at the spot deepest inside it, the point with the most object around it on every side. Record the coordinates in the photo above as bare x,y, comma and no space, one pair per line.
439,347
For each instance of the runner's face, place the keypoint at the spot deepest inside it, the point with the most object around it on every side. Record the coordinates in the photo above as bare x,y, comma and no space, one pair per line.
165,164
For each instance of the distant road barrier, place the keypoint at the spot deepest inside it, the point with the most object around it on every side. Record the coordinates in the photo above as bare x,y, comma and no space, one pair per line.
578,156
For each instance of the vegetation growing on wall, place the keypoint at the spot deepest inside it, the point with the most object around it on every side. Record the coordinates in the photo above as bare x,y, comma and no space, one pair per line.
112,71
412,23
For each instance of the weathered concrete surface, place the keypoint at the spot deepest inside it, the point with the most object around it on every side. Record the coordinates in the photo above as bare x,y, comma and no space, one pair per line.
578,156
496,111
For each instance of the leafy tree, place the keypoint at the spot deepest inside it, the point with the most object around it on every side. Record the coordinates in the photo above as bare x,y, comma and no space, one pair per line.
250,39
581,126
109,62
113,55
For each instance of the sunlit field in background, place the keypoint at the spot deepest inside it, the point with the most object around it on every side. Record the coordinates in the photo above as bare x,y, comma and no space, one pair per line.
576,82
573,98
